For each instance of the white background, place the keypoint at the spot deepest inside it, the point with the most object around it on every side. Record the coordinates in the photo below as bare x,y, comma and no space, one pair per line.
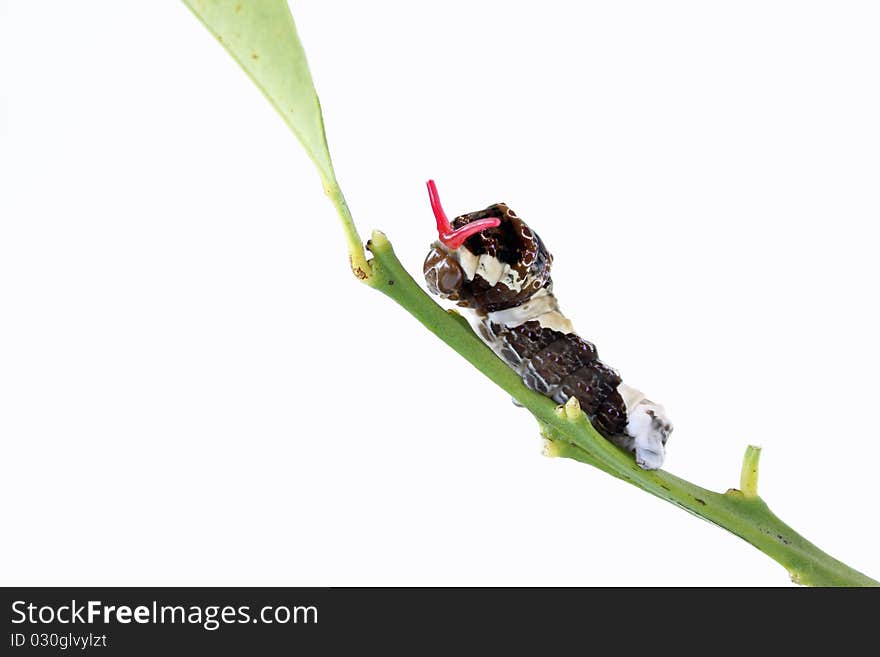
193,390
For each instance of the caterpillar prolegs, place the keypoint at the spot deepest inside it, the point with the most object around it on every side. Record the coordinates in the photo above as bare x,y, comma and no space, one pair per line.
492,263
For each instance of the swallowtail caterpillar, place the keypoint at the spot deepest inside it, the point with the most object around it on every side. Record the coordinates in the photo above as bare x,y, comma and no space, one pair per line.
493,264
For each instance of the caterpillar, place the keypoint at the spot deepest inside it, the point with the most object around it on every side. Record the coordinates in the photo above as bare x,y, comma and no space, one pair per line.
493,264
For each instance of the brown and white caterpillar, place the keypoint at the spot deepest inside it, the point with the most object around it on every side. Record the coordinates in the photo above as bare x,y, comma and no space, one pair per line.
492,263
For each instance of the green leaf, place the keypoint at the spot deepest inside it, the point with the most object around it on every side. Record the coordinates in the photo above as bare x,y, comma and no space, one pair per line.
261,37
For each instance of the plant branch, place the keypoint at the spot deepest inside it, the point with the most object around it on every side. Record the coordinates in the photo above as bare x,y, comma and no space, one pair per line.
261,36
571,435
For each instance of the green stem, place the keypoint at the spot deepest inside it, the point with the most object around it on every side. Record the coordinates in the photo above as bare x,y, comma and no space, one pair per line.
356,257
261,36
570,435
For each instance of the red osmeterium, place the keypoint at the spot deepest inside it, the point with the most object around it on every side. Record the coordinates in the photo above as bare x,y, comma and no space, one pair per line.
454,238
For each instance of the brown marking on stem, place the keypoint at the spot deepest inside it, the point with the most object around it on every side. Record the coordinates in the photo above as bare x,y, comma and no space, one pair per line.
357,271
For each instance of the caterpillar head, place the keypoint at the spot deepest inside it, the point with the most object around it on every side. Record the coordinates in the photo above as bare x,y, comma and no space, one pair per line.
486,260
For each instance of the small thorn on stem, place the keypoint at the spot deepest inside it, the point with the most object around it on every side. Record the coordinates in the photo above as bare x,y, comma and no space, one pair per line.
748,480
572,409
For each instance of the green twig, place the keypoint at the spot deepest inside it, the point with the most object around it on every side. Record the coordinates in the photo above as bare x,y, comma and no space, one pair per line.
262,38
570,435
356,257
